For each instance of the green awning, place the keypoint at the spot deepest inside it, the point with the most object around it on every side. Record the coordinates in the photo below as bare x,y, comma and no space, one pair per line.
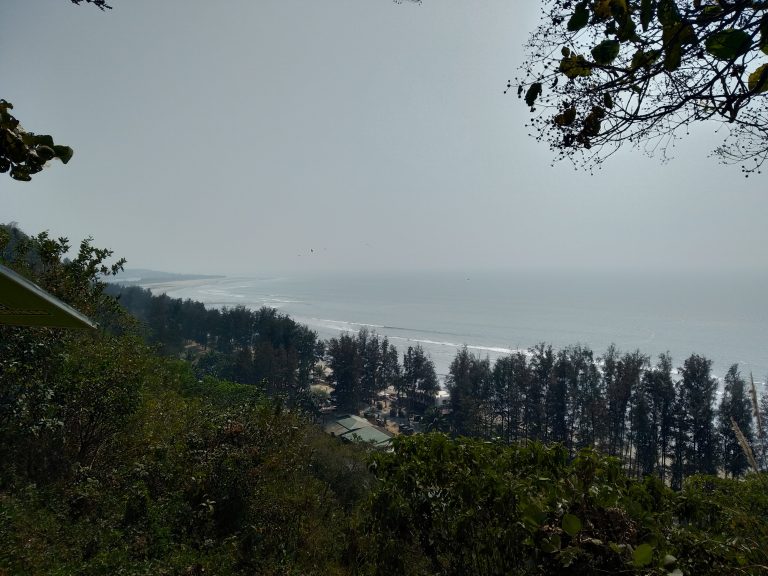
23,303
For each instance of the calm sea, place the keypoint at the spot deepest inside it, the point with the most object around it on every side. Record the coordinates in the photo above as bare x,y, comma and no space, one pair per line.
723,317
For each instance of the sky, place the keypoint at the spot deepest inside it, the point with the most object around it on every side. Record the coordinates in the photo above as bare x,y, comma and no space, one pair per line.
252,136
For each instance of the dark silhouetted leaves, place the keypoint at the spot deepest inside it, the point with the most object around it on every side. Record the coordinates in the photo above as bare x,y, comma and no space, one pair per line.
533,92
580,17
575,66
728,44
566,118
647,10
758,80
606,52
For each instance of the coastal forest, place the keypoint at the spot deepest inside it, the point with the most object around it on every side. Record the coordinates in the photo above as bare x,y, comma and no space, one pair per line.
181,440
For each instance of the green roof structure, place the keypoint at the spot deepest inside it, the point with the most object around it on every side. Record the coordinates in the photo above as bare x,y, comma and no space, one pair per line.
369,434
23,303
356,429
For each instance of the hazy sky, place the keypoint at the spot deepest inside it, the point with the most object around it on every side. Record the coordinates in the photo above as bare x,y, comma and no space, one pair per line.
248,136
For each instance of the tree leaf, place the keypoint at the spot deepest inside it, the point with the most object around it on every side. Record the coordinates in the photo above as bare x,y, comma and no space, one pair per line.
567,117
602,9
574,66
643,555
63,153
571,524
764,34
758,80
606,52
668,12
533,92
644,59
551,544
728,44
669,561
580,17
43,140
647,10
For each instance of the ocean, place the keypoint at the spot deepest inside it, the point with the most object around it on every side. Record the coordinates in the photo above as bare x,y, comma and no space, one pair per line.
721,316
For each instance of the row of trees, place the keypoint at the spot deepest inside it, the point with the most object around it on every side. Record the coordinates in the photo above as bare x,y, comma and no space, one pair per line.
238,344
619,403
365,364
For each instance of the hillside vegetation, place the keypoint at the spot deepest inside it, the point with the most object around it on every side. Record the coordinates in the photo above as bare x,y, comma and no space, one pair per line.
119,460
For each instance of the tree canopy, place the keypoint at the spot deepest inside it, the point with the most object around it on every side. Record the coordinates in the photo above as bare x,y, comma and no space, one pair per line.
600,74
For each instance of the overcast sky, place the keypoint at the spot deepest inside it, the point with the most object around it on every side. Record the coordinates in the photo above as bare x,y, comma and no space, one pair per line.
249,136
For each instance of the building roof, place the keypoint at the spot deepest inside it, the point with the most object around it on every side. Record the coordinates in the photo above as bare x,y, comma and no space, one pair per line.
368,434
23,303
357,429
353,422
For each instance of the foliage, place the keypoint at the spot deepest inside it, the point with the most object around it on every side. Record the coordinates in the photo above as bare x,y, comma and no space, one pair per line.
23,153
238,344
470,507
603,73
362,366
118,461
101,4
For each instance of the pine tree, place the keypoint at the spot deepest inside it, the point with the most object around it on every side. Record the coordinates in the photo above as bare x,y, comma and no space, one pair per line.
698,389
661,394
541,367
510,381
736,407
468,382
347,364
419,376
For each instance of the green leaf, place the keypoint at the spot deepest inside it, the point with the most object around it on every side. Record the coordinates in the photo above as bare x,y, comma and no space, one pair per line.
602,9
533,92
644,59
567,117
574,66
580,17
551,544
43,140
606,52
669,562
46,153
668,12
592,122
647,10
728,44
20,173
619,9
710,13
764,34
627,31
758,80
63,153
571,524
643,555
673,37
